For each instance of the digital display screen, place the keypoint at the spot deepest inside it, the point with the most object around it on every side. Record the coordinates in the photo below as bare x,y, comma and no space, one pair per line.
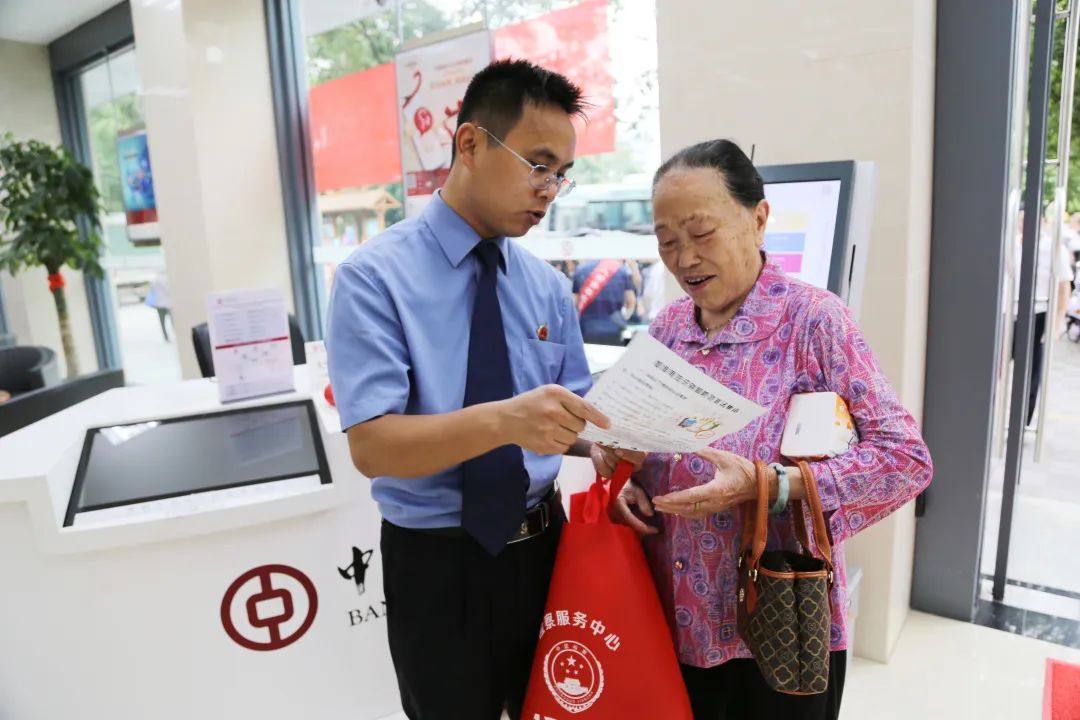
802,228
140,462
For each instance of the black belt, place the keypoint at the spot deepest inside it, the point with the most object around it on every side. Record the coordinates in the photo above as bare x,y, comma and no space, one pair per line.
537,519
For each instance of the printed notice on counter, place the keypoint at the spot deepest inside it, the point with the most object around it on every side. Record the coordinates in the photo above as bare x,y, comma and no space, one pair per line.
249,333
658,402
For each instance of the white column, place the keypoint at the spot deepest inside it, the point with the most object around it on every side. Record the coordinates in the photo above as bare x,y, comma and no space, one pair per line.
207,101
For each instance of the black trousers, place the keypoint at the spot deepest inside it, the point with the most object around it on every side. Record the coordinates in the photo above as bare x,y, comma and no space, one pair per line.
1037,352
464,625
1037,349
163,313
737,691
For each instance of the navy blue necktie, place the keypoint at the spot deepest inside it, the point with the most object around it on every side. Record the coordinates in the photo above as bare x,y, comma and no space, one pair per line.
494,484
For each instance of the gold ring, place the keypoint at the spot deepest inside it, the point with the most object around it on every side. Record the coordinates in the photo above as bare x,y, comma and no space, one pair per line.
697,503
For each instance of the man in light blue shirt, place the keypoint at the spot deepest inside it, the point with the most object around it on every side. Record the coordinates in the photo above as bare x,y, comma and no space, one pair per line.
398,342
457,366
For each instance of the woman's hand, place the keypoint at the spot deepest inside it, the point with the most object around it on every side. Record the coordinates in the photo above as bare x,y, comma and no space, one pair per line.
622,512
735,482
605,459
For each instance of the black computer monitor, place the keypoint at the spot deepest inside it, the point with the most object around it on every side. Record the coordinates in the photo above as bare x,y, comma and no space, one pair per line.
159,459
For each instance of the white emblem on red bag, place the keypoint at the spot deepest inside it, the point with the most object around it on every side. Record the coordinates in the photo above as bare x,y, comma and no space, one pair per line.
573,675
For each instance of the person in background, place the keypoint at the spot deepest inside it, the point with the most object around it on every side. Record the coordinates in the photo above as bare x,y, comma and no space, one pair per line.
566,272
159,299
1044,257
652,295
1072,235
638,281
605,297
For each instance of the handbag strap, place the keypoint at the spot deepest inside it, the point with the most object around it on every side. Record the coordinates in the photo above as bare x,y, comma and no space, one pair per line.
756,517
756,524
821,530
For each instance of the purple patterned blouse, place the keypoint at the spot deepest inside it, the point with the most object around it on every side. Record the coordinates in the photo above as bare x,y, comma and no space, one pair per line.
787,338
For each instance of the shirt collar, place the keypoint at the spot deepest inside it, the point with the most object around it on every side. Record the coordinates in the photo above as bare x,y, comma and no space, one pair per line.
756,319
456,237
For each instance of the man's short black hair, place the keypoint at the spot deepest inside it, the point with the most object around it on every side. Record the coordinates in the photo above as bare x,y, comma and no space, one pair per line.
496,96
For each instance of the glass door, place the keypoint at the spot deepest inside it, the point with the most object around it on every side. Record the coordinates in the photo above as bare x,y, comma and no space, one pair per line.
1030,574
132,255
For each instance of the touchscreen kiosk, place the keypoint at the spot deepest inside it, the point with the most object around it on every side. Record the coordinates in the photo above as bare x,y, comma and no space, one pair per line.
160,464
819,223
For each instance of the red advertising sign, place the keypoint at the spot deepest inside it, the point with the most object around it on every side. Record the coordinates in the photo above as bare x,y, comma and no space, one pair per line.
354,125
572,42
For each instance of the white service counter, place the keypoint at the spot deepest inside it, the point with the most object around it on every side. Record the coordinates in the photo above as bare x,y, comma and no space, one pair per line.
244,606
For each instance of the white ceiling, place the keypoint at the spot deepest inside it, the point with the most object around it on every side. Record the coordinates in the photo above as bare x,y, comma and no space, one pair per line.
42,21
318,16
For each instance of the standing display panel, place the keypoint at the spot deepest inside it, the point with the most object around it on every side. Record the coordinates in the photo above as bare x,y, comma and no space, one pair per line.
819,223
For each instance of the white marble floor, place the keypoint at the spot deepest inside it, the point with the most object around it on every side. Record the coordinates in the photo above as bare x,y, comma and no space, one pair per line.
955,671
949,670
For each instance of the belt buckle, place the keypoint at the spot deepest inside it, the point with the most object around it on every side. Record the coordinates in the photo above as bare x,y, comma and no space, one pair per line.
523,530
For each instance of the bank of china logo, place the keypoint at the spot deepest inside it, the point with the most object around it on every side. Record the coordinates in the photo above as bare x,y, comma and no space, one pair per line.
573,675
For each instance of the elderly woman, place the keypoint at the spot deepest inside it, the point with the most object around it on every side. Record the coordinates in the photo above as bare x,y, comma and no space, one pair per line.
766,336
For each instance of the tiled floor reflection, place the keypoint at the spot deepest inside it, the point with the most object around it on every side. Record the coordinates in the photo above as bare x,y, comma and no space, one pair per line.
1029,623
1042,597
955,671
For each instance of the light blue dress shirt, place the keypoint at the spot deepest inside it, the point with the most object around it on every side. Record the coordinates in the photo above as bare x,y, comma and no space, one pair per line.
398,341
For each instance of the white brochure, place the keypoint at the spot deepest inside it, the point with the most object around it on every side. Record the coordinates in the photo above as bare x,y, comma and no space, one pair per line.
658,402
249,331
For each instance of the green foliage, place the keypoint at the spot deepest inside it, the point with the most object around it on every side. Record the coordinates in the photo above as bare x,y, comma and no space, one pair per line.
368,43
106,122
372,41
612,167
44,193
1053,122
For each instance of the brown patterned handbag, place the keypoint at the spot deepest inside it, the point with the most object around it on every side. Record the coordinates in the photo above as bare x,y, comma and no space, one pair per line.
784,605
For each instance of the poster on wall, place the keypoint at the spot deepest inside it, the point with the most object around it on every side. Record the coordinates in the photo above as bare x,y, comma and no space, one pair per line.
431,80
137,185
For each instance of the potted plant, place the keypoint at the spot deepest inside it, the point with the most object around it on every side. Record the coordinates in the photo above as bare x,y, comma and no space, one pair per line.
44,194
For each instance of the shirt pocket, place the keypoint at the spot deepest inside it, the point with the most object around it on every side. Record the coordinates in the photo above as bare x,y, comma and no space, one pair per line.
540,362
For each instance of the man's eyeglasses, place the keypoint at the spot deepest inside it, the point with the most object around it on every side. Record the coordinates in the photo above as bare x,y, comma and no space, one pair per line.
541,177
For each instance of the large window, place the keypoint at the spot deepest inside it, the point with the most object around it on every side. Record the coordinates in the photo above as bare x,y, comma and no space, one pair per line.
354,59
133,262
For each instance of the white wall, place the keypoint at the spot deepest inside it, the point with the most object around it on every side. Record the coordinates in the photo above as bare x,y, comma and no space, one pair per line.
28,109
833,80
209,115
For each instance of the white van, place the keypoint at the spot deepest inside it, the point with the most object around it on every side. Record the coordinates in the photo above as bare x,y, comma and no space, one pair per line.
596,222
602,207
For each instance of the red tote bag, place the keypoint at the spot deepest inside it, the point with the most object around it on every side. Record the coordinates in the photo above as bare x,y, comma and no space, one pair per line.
605,650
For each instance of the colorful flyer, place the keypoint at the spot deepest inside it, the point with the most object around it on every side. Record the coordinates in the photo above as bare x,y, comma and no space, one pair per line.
658,402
